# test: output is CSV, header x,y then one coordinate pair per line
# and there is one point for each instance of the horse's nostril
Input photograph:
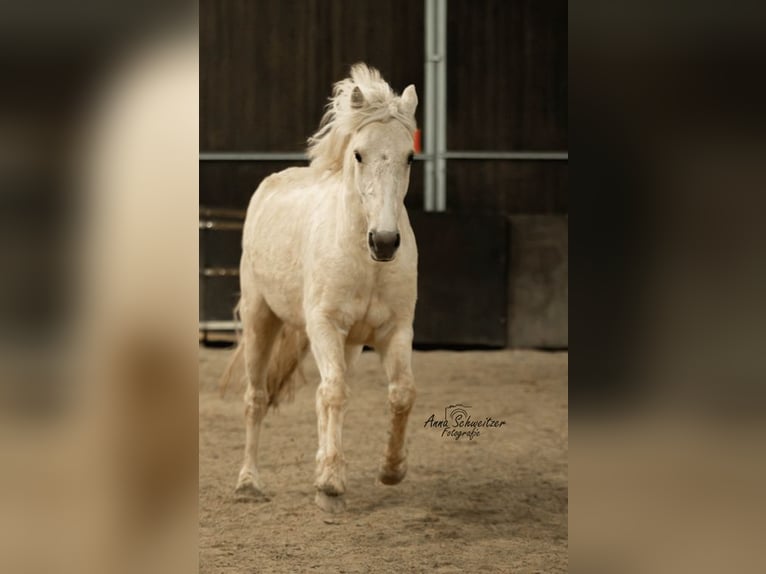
x,y
398,240
370,241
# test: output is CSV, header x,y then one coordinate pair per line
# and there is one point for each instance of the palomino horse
x,y
329,259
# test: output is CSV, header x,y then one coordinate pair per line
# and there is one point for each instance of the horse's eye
x,y
410,158
358,156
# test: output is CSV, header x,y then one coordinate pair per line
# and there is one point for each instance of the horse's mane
x,y
328,145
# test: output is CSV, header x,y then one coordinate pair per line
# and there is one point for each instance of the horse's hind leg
x,y
396,355
260,327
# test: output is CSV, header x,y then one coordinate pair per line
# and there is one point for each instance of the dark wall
x,y
507,81
267,67
507,75
508,187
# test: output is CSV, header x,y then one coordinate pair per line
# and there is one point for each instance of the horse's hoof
x,y
334,504
248,492
390,476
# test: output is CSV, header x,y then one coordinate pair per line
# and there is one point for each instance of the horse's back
x,y
281,200
282,188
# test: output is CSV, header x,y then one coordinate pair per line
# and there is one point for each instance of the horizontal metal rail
x,y
220,325
509,155
219,272
480,155
221,225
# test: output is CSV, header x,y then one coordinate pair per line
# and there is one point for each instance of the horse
x,y
329,261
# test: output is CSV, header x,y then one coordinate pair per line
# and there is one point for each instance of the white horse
x,y
329,258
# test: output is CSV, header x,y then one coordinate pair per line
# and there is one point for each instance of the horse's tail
x,y
234,366
284,373
235,361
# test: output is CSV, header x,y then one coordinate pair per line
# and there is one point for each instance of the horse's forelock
x,y
327,146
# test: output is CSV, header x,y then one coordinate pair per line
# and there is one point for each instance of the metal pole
x,y
441,105
429,127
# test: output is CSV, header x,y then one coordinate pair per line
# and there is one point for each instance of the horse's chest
x,y
366,308
368,304
361,302
366,317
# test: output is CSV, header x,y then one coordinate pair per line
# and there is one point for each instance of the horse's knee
x,y
401,395
256,402
332,393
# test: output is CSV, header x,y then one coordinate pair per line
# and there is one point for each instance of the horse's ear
x,y
409,100
357,98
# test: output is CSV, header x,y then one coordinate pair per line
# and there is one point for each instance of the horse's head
x,y
379,155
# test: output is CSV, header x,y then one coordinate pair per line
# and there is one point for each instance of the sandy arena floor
x,y
494,503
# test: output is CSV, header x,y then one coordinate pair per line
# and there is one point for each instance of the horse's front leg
x,y
328,347
396,355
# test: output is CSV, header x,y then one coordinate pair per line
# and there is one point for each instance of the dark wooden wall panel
x,y
230,184
507,75
508,187
267,67
462,283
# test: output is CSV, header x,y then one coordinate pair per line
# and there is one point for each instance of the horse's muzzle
x,y
383,244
